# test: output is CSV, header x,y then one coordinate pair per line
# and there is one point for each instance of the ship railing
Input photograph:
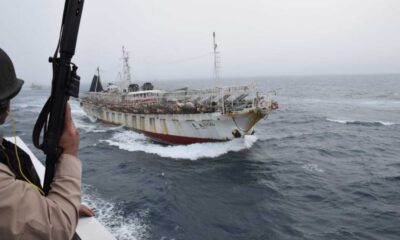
x,y
222,98
208,94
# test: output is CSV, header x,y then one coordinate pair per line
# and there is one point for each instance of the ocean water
x,y
326,165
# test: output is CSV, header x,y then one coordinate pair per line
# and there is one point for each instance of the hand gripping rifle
x,y
65,84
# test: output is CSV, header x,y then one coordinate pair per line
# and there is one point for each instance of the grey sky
x,y
256,37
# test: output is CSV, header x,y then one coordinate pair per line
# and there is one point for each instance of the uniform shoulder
x,y
4,170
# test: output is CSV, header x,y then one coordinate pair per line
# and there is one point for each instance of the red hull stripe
x,y
173,139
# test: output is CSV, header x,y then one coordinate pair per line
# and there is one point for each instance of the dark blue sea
x,y
326,165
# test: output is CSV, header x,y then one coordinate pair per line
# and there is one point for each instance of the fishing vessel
x,y
181,116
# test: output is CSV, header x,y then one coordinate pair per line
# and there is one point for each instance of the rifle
x,y
65,84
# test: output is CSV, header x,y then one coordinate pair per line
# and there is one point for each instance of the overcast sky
x,y
172,39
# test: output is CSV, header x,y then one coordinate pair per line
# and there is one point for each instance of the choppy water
x,y
325,166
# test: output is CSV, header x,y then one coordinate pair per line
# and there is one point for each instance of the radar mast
x,y
126,69
216,59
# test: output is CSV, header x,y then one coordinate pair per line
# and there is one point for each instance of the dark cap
x,y
10,85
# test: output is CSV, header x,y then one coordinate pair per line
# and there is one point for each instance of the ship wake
x,y
134,142
112,216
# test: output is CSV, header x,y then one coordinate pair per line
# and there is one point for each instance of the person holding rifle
x,y
25,211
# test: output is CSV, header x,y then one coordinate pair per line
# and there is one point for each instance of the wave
x,y
134,142
364,123
82,123
113,218
93,127
22,106
76,110
27,106
380,103
312,168
87,127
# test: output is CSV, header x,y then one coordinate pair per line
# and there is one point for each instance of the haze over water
x,y
324,166
173,39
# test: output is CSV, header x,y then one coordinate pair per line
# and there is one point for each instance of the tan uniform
x,y
25,214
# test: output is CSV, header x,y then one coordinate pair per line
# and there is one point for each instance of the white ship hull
x,y
183,128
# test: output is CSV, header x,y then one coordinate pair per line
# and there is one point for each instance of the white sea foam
x,y
387,123
86,126
94,127
380,103
80,120
22,106
337,120
133,227
344,121
27,106
133,142
76,110
312,167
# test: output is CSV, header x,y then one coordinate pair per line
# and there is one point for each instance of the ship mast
x,y
216,60
126,69
216,74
